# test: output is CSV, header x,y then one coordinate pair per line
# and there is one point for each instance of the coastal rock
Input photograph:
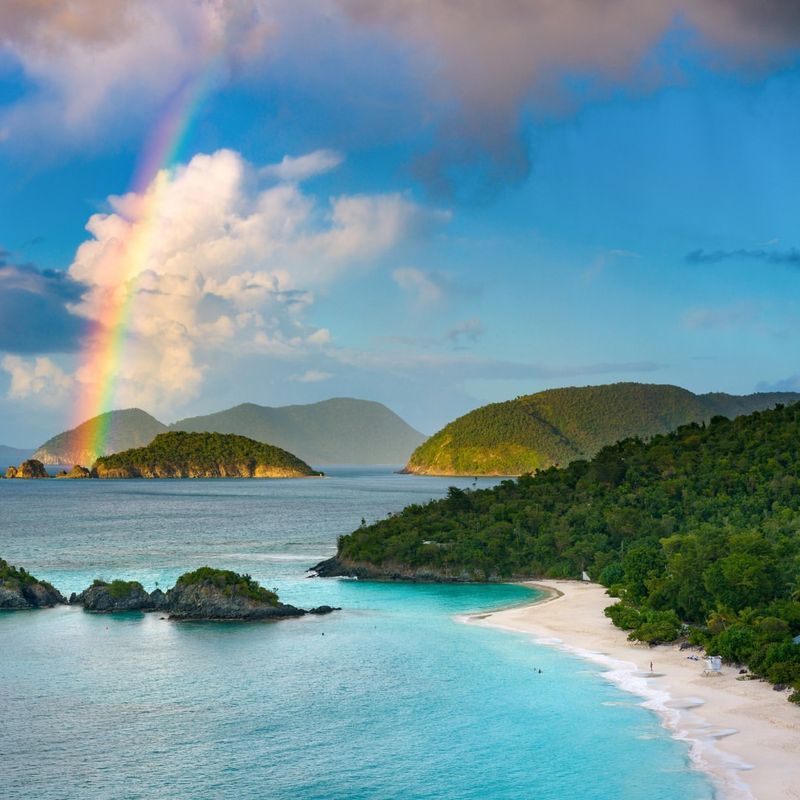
x,y
32,468
118,595
20,590
207,601
336,567
77,472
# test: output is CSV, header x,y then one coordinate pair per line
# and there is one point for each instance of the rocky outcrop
x,y
336,567
207,601
20,590
77,472
205,594
119,596
32,468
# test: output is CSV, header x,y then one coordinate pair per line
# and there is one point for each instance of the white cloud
x,y
40,378
311,376
96,64
299,169
204,264
424,288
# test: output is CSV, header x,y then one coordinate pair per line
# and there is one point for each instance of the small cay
x,y
203,455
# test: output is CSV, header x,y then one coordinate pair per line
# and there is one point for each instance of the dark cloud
x,y
485,65
790,257
33,313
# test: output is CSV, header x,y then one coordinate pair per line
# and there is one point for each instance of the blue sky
x,y
404,202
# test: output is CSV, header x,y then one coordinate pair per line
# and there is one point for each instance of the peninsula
x,y
696,532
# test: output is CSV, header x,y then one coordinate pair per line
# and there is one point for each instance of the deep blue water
x,y
390,698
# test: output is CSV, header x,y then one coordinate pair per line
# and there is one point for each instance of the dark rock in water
x,y
20,590
205,600
118,596
323,609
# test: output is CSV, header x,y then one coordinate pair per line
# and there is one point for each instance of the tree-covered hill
x,y
700,526
557,426
202,455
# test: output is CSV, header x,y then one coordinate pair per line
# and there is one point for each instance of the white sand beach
x,y
743,733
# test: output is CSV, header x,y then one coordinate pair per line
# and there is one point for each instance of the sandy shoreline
x,y
743,733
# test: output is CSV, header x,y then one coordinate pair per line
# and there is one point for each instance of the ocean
x,y
392,697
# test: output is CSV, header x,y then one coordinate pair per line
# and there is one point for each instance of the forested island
x,y
203,455
697,531
557,426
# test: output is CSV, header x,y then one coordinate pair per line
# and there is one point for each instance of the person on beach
x,y
651,666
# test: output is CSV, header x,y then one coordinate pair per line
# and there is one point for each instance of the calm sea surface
x,y
390,698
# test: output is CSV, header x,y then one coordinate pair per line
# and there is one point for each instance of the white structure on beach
x,y
585,576
713,666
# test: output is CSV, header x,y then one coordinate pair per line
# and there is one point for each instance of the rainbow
x,y
104,356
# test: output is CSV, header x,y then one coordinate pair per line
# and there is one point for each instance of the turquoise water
x,y
390,698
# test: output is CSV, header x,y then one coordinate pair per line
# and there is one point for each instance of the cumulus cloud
x,y
93,64
303,167
206,263
34,315
39,378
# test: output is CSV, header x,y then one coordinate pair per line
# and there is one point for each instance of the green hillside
x,y
338,431
125,429
700,526
557,426
202,455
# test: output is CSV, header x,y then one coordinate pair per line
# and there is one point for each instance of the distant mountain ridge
x,y
337,431
558,426
14,455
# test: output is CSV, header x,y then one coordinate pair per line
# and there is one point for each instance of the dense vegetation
x,y
337,431
559,425
119,588
232,584
18,574
187,452
697,528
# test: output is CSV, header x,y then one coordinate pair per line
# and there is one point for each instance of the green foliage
x,y
118,588
699,526
557,426
182,451
232,584
18,574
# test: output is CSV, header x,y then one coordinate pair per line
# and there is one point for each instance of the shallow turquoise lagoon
x,y
391,698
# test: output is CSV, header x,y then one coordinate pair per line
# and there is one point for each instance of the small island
x,y
203,594
203,455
